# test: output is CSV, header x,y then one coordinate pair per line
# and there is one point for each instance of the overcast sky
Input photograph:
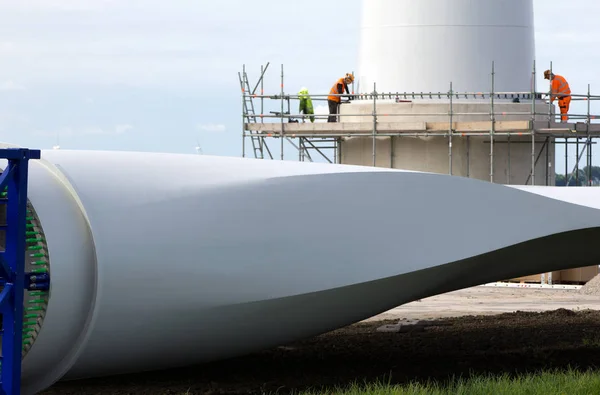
x,y
162,75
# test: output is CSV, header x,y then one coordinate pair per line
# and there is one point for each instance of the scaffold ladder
x,y
258,144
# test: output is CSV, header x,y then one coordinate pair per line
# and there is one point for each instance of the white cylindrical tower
x,y
423,45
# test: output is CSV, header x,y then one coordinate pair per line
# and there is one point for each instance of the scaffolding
x,y
325,139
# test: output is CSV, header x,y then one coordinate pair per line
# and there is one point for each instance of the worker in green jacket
x,y
306,106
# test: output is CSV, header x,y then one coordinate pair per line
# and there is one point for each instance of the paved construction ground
x,y
487,300
473,331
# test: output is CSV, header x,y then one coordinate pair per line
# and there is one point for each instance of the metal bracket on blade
x,y
37,281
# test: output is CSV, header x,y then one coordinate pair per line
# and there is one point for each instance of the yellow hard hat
x,y
303,93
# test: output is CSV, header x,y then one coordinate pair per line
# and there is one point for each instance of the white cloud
x,y
120,129
56,133
212,127
91,130
88,130
11,86
321,109
116,130
11,119
7,47
154,43
60,5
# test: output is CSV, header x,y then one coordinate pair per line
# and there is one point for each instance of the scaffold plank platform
x,y
349,128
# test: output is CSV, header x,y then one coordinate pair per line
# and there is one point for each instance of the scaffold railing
x,y
588,117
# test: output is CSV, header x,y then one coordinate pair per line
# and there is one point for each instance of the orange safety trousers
x,y
563,104
560,87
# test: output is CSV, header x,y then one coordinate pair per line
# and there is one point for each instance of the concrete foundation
x,y
509,161
436,110
471,157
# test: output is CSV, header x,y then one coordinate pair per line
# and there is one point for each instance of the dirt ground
x,y
501,330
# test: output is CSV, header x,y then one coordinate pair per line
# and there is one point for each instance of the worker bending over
x,y
306,106
559,88
338,88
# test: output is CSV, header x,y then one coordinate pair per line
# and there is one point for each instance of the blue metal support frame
x,y
12,265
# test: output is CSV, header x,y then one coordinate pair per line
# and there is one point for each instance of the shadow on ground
x,y
507,343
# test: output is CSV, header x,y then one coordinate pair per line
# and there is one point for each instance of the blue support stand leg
x,y
12,264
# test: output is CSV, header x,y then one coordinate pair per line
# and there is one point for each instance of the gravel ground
x,y
513,342
592,287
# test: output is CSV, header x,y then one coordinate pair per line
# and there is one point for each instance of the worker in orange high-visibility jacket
x,y
338,88
559,88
